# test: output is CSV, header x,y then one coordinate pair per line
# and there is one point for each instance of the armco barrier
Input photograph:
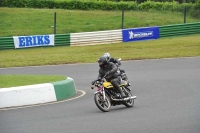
x,y
98,37
62,39
37,94
108,37
179,29
6,43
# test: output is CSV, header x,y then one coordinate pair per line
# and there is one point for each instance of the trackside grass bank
x,y
28,21
21,80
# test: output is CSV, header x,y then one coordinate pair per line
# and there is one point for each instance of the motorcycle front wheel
x,y
101,104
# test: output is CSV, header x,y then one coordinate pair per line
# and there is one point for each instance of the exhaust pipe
x,y
124,99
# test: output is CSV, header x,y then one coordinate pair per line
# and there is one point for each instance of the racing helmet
x,y
107,55
102,61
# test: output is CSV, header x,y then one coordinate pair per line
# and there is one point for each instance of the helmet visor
x,y
101,64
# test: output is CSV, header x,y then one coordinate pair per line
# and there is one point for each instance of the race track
x,y
167,90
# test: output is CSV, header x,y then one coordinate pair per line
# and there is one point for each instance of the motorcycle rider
x,y
110,70
118,63
115,61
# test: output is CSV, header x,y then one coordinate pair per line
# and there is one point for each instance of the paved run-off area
x,y
167,101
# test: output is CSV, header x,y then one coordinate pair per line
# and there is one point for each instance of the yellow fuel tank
x,y
110,86
107,85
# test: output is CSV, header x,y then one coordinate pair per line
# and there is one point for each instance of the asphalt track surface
x,y
167,90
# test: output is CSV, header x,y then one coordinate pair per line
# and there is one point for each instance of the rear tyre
x,y
102,105
130,102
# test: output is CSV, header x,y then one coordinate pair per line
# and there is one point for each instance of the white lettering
x,y
140,34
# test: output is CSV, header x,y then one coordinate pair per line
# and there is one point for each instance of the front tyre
x,y
102,105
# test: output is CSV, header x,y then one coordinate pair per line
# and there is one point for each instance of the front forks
x,y
104,95
102,92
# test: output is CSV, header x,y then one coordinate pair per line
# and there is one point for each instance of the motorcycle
x,y
106,95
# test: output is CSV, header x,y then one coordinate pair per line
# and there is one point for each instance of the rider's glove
x,y
93,82
98,80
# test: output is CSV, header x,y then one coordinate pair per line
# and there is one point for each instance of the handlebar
x,y
103,79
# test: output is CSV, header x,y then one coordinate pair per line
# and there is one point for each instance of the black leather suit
x,y
113,77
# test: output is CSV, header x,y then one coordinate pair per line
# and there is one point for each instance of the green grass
x,y
184,46
26,21
20,80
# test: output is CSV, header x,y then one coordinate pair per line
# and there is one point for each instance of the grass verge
x,y
20,80
185,46
27,21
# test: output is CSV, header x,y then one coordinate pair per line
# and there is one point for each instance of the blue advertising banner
x,y
33,41
138,34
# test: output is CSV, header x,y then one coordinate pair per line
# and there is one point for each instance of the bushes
x,y
166,6
71,4
195,10
103,5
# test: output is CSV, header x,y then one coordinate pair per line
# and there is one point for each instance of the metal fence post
x,y
122,19
54,22
185,12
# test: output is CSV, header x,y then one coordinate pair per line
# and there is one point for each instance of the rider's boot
x,y
122,93
116,85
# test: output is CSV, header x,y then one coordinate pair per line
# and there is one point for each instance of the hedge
x,y
192,8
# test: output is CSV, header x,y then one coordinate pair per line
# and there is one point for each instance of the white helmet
x,y
107,55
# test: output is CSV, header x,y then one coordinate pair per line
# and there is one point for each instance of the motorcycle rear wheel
x,y
130,102
102,105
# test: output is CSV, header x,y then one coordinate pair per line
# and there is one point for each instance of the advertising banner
x,y
33,41
137,34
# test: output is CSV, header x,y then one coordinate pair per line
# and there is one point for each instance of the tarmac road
x,y
167,90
